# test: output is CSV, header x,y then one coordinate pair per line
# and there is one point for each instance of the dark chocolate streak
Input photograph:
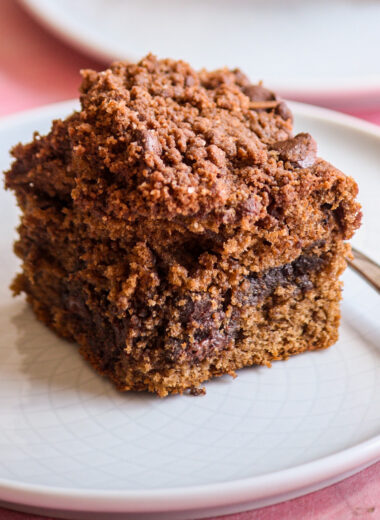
x,y
108,338
296,273
209,337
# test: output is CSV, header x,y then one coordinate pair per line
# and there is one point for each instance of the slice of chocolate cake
x,y
177,230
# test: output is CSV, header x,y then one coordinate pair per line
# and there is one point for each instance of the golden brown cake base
x,y
299,314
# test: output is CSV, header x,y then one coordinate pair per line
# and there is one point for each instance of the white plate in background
x,y
71,445
326,48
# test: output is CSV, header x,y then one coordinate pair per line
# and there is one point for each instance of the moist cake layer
x,y
203,336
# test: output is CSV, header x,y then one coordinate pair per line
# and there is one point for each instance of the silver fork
x,y
367,268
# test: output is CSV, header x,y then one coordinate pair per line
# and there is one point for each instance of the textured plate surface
x,y
297,46
69,440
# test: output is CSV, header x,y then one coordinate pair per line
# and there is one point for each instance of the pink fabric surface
x,y
36,69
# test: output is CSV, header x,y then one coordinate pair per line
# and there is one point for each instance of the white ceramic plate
x,y
327,48
70,442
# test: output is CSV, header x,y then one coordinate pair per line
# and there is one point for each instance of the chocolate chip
x,y
217,155
251,206
306,263
240,77
304,283
199,311
300,150
150,142
258,93
189,81
173,349
207,342
197,390
283,111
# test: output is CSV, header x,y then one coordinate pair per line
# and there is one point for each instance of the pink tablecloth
x,y
36,69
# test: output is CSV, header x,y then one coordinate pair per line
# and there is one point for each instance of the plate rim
x,y
284,482
72,34
259,487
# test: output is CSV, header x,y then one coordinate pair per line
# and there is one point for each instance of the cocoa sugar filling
x,y
207,336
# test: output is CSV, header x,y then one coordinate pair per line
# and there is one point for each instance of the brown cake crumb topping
x,y
173,142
